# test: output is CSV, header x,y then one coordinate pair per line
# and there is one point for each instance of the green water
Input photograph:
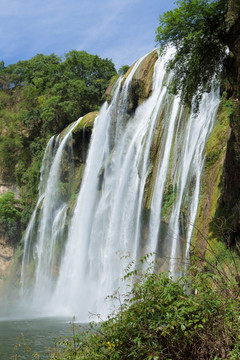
x,y
39,335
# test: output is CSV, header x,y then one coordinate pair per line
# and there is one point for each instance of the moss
x,y
212,157
66,130
86,122
155,155
75,186
169,197
211,183
154,161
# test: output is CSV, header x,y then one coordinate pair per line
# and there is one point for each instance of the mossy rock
x,y
141,87
86,122
155,152
142,78
211,183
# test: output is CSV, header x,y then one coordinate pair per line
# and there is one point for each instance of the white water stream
x,y
73,276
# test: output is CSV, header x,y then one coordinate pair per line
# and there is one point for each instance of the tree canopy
x,y
39,97
58,91
197,29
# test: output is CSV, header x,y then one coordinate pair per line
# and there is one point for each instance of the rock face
x,y
230,200
206,225
219,210
81,136
142,81
231,190
6,187
6,261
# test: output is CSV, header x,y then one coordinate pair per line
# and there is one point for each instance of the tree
x,y
199,31
123,69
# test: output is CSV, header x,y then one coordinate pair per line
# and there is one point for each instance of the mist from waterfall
x,y
76,268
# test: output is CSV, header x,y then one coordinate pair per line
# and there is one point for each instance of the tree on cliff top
x,y
201,31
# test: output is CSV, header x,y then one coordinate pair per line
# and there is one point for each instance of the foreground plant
x,y
159,319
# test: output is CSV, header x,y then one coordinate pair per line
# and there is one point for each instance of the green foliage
x,y
10,216
8,209
123,69
212,157
197,28
159,318
168,199
58,91
38,98
227,103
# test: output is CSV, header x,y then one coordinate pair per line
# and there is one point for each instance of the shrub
x,y
10,216
163,319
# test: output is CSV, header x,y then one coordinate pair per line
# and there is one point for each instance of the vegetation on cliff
x,y
38,98
10,216
201,31
206,36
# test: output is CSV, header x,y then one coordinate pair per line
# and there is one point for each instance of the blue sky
x,y
121,30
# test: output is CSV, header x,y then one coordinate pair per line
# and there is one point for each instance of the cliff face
x,y
230,203
230,200
219,209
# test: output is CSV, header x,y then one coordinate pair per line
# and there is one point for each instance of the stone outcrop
x,y
7,187
142,81
143,77
6,261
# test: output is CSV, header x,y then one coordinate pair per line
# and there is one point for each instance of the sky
x,y
121,30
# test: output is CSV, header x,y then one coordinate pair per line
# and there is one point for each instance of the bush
x,y
159,319
10,216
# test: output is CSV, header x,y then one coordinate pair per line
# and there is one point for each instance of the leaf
x,y
183,327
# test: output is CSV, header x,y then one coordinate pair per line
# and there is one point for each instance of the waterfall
x,y
139,194
46,230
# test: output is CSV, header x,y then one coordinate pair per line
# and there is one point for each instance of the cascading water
x,y
139,194
46,230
